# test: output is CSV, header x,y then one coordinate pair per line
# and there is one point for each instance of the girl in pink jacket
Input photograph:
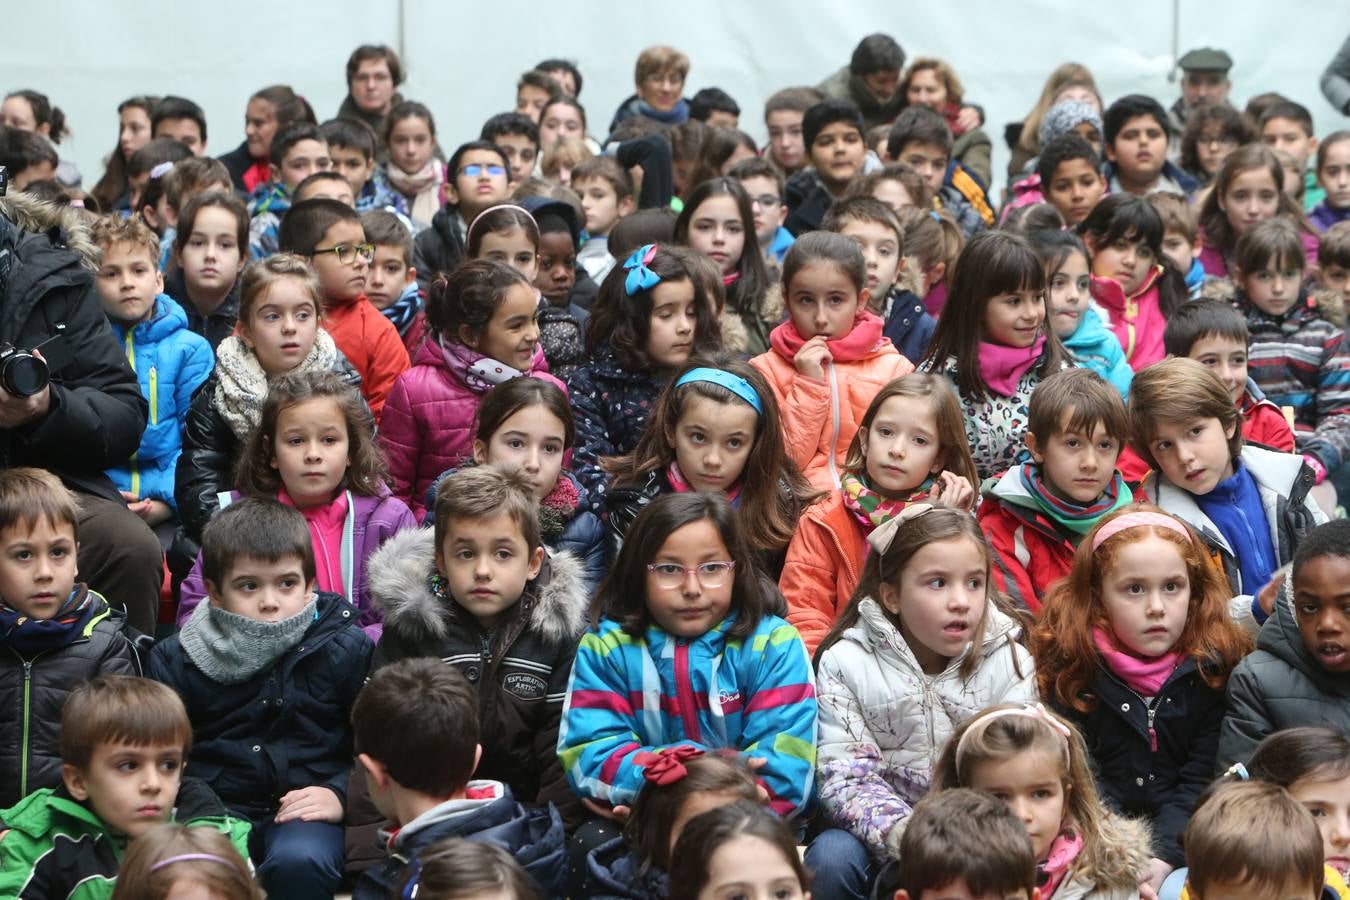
x,y
829,359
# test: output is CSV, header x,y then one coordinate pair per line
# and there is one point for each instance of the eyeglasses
x,y
709,574
473,170
347,253
1216,141
765,201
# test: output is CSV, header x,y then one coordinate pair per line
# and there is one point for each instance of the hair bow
x,y
883,534
640,278
668,767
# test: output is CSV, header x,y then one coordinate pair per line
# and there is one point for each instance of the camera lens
x,y
23,375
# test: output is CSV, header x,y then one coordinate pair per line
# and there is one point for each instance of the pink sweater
x,y
325,531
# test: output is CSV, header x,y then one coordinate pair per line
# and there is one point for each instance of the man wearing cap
x,y
1204,82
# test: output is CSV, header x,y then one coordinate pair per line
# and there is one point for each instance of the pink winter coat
x,y
428,420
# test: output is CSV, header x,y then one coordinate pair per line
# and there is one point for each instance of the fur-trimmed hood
x,y
1111,872
398,574
29,213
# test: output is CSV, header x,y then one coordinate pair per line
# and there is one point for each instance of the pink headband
x,y
1137,520
188,857
1029,711
478,218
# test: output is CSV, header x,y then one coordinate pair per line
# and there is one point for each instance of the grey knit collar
x,y
231,649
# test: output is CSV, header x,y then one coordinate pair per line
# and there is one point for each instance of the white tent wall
x,y
463,58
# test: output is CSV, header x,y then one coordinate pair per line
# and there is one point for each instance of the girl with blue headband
x,y
651,315
716,429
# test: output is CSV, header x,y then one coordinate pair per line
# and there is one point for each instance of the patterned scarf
x,y
680,485
241,383
480,373
404,310
558,508
30,636
1063,851
871,508
1077,518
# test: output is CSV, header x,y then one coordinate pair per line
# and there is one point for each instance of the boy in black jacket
x,y
268,671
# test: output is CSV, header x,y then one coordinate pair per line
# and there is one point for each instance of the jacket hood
x,y
1123,849
398,574
874,631
615,871
32,214
1091,330
167,319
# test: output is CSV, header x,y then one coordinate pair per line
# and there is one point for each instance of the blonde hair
x,y
110,230
987,737
570,152
945,73
171,853
261,275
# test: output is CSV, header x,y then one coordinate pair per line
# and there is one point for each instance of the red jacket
x,y
1029,550
1265,423
371,344
824,563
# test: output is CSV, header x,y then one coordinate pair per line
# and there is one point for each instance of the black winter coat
x,y
438,248
216,326
520,666
97,413
614,872
206,467
287,727
1160,782
34,713
237,162
611,404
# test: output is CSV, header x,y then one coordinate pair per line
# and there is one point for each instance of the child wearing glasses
x,y
477,177
764,183
481,591
329,233
684,650
279,333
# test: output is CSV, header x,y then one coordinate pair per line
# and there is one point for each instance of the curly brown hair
x,y
254,473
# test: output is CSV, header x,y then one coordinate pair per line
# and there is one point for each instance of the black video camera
x,y
24,373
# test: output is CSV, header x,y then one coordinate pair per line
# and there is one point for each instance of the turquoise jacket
x,y
1095,346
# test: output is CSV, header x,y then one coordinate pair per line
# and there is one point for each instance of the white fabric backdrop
x,y
463,57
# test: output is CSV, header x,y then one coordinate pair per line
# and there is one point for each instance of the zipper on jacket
x,y
27,715
1153,735
154,395
834,427
684,692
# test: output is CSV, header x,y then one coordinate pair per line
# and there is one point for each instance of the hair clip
x,y
640,278
161,170
732,382
934,214
1137,520
188,857
883,534
1237,770
1026,710
668,766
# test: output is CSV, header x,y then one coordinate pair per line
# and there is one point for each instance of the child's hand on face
x,y
953,490
813,357
310,804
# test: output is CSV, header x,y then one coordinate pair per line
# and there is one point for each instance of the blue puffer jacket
x,y
611,404
614,871
171,362
1095,346
909,326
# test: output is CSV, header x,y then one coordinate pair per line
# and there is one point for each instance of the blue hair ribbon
x,y
640,278
734,383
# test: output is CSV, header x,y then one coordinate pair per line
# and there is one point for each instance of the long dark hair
x,y
768,513
993,263
1127,217
115,183
624,322
622,595
522,392
746,295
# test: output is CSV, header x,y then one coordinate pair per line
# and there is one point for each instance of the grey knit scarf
x,y
231,649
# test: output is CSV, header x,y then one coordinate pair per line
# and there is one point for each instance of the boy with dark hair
x,y
330,185
1036,514
1214,334
181,119
1136,131
518,136
268,670
391,286
833,133
517,644
534,91
123,744
716,108
783,113
171,362
329,233
353,148
1071,177
1252,839
1288,126
871,81
922,140
963,843
561,282
565,73
606,191
29,157
56,633
298,151
1251,506
764,183
416,725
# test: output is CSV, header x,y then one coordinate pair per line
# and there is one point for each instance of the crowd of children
x,y
663,516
